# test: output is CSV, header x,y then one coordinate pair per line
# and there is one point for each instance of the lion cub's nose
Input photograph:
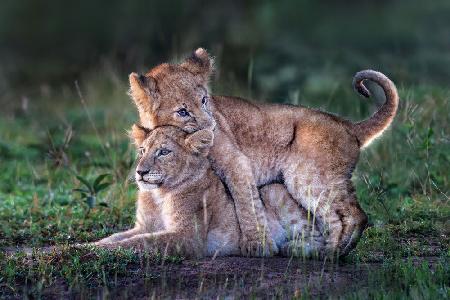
x,y
142,172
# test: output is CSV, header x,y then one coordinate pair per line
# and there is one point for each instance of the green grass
x,y
402,183
398,279
86,266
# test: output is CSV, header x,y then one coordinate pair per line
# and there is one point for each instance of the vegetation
x,y
64,119
407,280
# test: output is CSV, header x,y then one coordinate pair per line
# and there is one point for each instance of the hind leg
x,y
291,226
333,203
354,220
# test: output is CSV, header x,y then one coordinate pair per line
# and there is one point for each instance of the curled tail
x,y
368,130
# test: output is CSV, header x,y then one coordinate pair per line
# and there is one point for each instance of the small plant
x,y
58,153
91,190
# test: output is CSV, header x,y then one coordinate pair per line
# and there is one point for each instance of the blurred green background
x,y
54,42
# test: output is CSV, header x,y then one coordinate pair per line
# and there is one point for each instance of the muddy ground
x,y
228,278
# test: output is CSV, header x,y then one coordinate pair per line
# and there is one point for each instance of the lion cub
x,y
313,153
183,207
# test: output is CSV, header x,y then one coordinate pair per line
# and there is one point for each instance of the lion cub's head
x,y
175,94
169,156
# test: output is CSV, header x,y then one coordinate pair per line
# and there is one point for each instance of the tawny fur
x,y
183,207
312,152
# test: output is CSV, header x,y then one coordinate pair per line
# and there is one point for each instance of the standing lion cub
x,y
312,152
183,207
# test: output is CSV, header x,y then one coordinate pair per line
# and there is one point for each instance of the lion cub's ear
x,y
138,134
200,141
200,64
142,91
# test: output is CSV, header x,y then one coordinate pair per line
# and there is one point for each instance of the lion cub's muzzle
x,y
147,176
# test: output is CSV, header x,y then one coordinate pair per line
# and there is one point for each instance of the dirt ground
x,y
245,277
228,277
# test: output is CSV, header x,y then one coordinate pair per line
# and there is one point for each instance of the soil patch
x,y
227,277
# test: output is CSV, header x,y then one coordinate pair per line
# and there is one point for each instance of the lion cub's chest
x,y
162,201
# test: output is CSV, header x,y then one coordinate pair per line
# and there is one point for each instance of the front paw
x,y
258,248
89,244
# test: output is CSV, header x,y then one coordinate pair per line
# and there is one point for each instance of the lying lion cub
x,y
183,207
313,153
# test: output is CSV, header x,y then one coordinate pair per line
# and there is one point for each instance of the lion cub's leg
x,y
333,203
292,227
342,218
148,219
117,237
236,170
164,242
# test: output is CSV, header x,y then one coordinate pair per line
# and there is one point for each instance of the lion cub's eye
x,y
163,152
141,150
183,112
204,100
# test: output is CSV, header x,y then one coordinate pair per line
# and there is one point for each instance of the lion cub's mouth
x,y
153,178
150,181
